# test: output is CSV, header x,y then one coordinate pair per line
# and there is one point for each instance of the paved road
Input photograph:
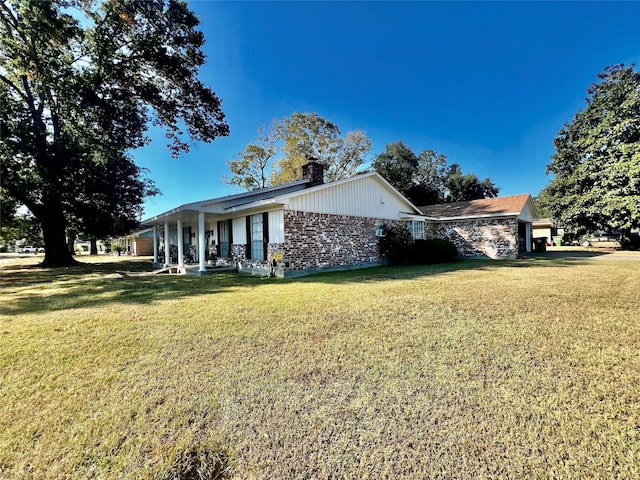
x,y
590,253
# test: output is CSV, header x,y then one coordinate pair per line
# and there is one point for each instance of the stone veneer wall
x,y
239,252
318,240
496,238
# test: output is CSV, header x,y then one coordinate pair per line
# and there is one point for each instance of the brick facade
x,y
318,240
495,238
239,252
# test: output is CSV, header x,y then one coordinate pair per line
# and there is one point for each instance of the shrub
x,y
434,251
397,244
630,241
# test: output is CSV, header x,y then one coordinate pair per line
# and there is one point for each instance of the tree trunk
x,y
56,249
72,241
94,246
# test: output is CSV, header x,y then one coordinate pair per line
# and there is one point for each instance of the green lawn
x,y
477,369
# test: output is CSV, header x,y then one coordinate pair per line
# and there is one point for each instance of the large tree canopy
x,y
80,83
597,160
283,146
426,179
16,227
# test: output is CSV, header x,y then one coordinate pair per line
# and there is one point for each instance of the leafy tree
x,y
597,160
541,205
80,83
399,165
16,227
463,187
283,147
113,207
250,168
426,179
429,179
305,135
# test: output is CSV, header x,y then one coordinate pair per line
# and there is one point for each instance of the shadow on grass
x,y
408,272
33,289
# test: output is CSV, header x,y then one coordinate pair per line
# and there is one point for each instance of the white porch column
x,y
180,245
201,240
167,258
155,244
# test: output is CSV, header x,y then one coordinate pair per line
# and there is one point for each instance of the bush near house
x,y
434,251
396,245
399,247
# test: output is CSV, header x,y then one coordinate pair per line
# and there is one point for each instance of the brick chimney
x,y
314,171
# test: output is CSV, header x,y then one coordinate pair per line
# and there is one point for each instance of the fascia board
x,y
473,217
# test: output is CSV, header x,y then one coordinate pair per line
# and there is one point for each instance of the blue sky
x,y
487,84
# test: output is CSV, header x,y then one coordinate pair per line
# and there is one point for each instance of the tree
x,y
426,179
16,227
250,168
284,146
429,179
399,165
597,161
80,83
461,187
113,207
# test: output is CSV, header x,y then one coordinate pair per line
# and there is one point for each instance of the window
x,y
224,238
257,236
416,227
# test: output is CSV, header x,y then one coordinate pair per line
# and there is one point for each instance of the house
x,y
496,227
307,226
546,228
287,230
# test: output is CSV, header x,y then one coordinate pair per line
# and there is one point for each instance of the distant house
x,y
496,227
295,228
545,227
307,226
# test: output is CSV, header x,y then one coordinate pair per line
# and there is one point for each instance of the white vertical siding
x,y
239,230
365,197
276,226
527,214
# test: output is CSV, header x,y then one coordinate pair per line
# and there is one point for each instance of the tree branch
x,y
12,85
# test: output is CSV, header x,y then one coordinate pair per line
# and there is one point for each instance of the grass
x,y
478,369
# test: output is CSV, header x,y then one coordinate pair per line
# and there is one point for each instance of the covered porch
x,y
184,237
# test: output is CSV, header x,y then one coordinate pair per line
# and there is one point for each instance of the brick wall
x,y
496,238
239,252
317,240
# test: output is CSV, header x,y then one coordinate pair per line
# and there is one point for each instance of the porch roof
x,y
189,211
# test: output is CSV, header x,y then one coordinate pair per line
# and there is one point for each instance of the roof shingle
x,y
476,208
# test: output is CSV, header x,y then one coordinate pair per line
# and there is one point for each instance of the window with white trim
x,y
257,237
416,227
